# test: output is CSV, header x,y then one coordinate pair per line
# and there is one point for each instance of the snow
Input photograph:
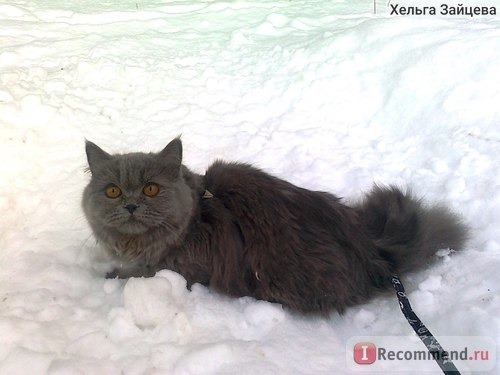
x,y
322,93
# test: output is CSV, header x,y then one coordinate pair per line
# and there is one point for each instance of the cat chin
x,y
132,228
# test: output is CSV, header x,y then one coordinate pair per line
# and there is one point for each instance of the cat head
x,y
137,194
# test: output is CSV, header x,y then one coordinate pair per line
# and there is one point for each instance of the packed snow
x,y
325,94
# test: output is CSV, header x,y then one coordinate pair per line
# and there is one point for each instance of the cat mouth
x,y
132,226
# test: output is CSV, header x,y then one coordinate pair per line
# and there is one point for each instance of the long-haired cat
x,y
244,232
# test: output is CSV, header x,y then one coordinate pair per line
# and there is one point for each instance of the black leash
x,y
433,346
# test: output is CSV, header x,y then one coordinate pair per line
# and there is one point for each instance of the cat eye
x,y
113,191
151,189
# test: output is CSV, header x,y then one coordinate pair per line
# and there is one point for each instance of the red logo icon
x,y
365,353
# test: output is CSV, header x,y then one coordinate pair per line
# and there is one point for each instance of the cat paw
x,y
128,272
113,274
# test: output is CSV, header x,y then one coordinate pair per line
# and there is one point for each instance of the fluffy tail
x,y
407,232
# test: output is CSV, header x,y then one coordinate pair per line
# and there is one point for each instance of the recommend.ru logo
x,y
365,353
386,354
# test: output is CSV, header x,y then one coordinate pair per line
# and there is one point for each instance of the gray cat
x,y
244,232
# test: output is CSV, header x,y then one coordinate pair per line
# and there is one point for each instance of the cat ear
x,y
173,151
95,155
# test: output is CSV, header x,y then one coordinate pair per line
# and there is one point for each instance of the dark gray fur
x,y
257,235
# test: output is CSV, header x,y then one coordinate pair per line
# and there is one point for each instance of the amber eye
x,y
151,189
113,191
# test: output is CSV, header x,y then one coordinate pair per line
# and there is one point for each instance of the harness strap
x,y
433,346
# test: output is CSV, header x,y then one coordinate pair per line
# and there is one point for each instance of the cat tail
x,y
405,230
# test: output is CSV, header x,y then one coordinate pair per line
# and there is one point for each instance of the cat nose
x,y
130,208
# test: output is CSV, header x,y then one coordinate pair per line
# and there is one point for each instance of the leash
x,y
432,344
